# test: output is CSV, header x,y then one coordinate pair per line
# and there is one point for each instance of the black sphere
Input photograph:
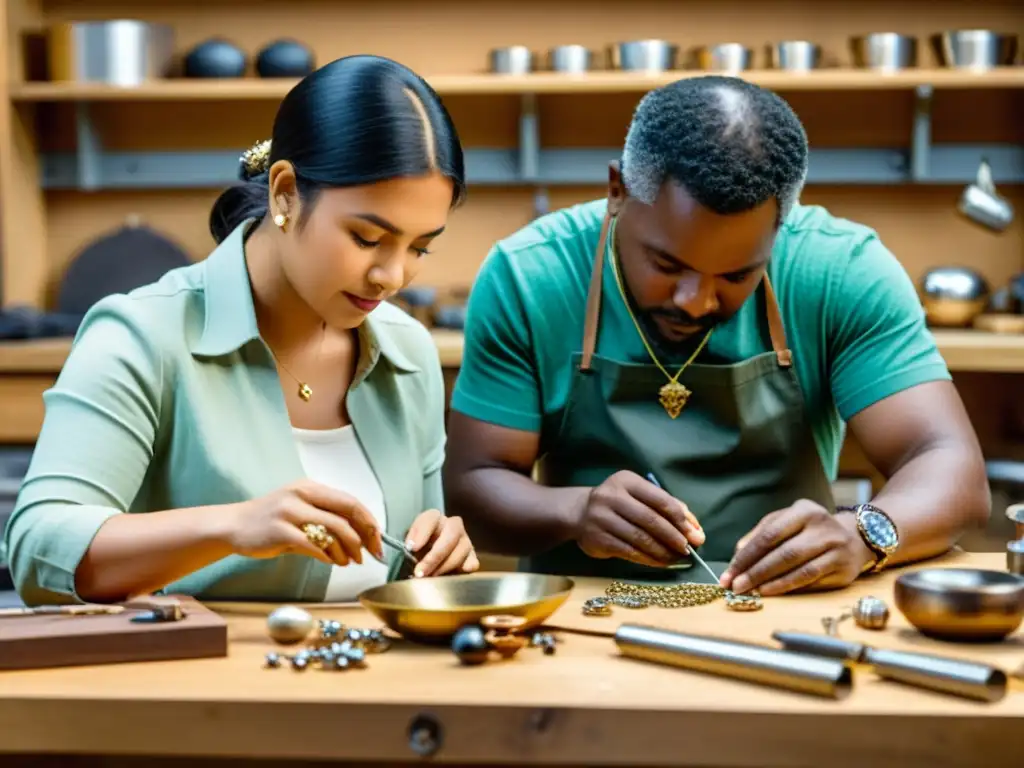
x,y
470,645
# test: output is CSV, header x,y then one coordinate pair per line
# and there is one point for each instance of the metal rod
x,y
968,679
692,551
921,136
529,139
89,150
799,672
394,543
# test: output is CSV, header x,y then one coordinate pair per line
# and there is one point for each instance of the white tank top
x,y
334,457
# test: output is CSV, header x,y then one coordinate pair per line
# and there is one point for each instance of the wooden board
x,y
583,706
39,642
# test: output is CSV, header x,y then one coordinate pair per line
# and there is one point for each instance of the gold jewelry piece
x,y
280,220
256,159
318,535
673,396
305,392
688,595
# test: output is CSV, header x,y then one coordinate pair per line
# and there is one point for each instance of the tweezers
x,y
394,543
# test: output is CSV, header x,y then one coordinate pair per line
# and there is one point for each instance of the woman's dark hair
x,y
355,121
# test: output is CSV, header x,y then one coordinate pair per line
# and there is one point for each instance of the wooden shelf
x,y
253,89
963,350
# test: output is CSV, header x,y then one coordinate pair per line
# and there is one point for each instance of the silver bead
x,y
871,613
289,624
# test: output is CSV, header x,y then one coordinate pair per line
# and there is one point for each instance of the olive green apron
x,y
741,448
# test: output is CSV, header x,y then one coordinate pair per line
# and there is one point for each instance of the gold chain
x,y
673,396
673,596
305,392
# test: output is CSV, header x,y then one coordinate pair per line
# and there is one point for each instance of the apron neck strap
x,y
776,330
594,297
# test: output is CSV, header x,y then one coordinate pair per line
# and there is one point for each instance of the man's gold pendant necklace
x,y
673,396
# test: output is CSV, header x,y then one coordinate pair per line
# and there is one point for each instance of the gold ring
x,y
318,535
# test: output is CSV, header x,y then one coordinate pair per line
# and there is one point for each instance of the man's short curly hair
x,y
729,143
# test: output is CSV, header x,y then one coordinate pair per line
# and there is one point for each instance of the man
x,y
678,364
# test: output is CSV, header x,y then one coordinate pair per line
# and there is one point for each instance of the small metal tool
x,y
156,610
61,610
693,553
391,541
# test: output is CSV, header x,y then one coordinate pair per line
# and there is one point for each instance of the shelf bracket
x,y
89,150
921,136
529,153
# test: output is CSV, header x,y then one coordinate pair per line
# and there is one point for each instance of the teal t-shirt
x,y
852,317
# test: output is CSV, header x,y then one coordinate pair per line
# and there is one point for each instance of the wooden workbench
x,y
584,706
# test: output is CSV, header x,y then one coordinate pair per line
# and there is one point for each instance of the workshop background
x,y
121,121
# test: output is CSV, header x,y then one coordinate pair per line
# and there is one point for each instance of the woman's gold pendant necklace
x,y
305,392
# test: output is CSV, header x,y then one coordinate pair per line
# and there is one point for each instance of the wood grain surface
x,y
583,706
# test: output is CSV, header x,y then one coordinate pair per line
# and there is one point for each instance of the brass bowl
x,y
431,610
965,604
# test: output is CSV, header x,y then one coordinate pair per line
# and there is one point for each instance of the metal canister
x,y
1015,512
1015,557
123,52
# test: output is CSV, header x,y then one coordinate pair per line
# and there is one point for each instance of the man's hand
x,y
633,519
801,547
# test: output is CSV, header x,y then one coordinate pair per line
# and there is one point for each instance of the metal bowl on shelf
x,y
513,60
965,604
431,610
644,56
570,59
794,55
976,49
884,51
723,57
953,296
121,52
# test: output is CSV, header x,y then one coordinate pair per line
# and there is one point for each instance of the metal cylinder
x,y
829,678
1015,512
959,678
794,55
514,60
885,51
571,59
1015,557
975,49
123,53
724,57
645,56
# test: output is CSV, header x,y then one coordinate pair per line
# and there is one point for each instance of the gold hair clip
x,y
256,159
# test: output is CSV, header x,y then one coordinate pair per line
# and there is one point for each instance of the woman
x,y
266,408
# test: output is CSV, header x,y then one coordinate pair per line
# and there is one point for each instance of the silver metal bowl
x,y
644,56
570,59
977,49
953,296
961,603
794,55
724,57
513,60
884,51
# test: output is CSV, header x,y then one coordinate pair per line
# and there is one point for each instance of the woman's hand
x,y
273,525
442,545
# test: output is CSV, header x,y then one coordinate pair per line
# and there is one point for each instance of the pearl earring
x,y
280,220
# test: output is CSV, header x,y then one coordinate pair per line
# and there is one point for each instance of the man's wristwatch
x,y
877,530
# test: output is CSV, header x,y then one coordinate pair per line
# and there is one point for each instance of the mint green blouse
x,y
170,399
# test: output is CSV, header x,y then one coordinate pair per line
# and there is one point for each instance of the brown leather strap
x,y
775,327
594,297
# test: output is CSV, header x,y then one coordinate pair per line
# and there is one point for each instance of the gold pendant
x,y
673,398
305,392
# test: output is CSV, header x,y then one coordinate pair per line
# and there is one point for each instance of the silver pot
x,y
644,56
123,52
724,57
570,59
794,55
953,296
513,60
977,49
884,51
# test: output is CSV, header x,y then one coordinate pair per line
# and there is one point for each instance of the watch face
x,y
879,529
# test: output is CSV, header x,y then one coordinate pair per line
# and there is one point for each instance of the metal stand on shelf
x,y
91,167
